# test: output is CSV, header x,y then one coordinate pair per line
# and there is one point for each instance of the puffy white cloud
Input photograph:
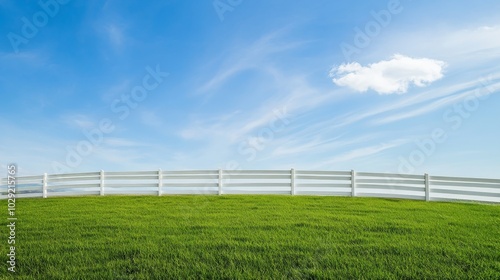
x,y
388,76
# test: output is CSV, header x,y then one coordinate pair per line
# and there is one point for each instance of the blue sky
x,y
383,86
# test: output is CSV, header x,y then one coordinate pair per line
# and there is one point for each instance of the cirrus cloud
x,y
388,76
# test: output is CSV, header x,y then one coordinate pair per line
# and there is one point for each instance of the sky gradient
x,y
381,86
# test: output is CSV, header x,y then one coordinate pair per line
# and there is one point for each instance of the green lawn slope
x,y
252,237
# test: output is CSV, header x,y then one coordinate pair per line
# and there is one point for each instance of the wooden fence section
x,y
291,182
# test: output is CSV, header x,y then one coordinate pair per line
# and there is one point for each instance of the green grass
x,y
253,237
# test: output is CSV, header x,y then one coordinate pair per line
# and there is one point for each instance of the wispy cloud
x,y
35,58
152,119
363,152
416,105
257,55
116,142
115,34
111,27
117,89
460,48
78,121
426,108
298,144
472,40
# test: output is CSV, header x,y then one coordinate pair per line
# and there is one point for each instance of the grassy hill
x,y
253,237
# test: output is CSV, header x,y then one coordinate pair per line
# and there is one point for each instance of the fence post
x,y
220,182
427,187
292,181
102,182
160,181
44,185
353,183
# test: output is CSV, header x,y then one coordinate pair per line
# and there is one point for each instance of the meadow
x,y
253,237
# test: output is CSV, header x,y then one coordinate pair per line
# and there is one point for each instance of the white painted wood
x,y
190,177
325,193
65,175
102,183
131,177
72,186
401,196
468,184
247,172
138,186
455,188
389,175
192,185
220,182
191,172
69,179
31,188
28,195
261,181
130,173
332,173
250,185
160,181
461,192
390,181
44,185
260,177
332,178
390,187
132,193
462,179
64,194
257,192
316,185
353,183
427,188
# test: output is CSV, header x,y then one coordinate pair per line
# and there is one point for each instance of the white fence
x,y
294,182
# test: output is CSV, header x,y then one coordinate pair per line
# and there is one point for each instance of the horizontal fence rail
x,y
292,182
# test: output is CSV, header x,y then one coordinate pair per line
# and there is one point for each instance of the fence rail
x,y
294,182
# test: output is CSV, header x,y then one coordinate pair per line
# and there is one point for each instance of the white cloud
x,y
388,76
120,142
363,152
256,55
115,34
151,119
115,90
79,121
